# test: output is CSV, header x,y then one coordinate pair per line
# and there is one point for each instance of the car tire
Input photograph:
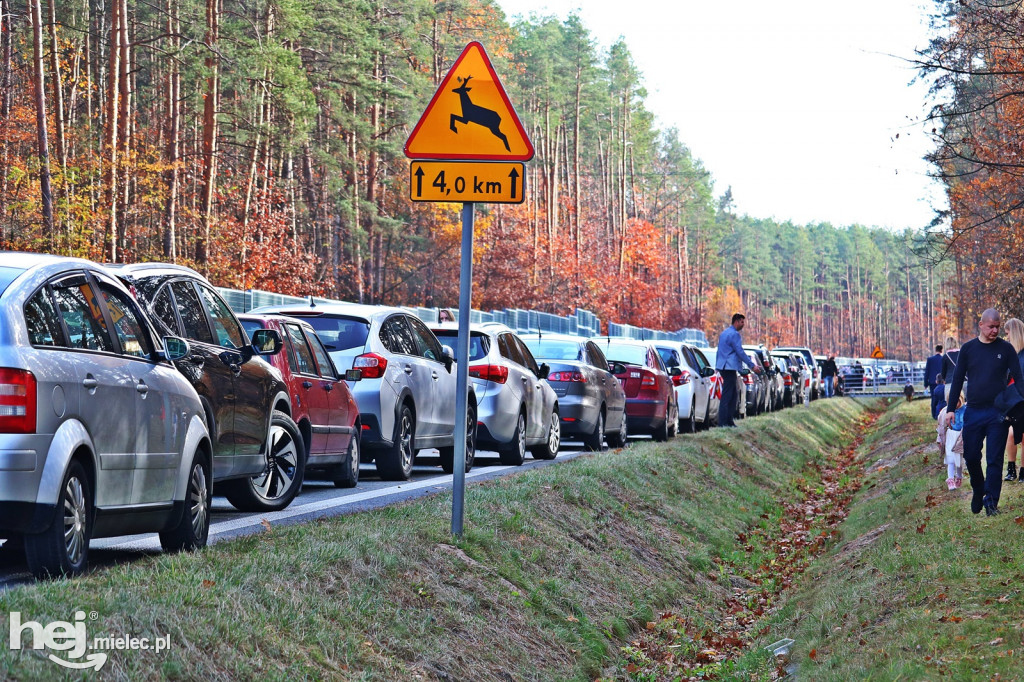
x,y
595,441
448,453
689,425
347,475
620,438
51,553
274,488
673,421
395,463
193,529
514,453
549,448
661,432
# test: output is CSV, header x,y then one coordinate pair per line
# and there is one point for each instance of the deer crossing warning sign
x,y
470,118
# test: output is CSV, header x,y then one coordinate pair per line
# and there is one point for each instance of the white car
x,y
693,386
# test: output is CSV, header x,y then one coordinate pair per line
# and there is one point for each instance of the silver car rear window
x,y
8,275
340,333
552,349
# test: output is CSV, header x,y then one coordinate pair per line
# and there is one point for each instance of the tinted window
x,y
129,325
670,356
340,333
301,359
597,358
527,356
479,344
702,361
426,344
193,317
553,349
163,310
250,326
396,337
42,320
508,349
327,368
226,331
81,314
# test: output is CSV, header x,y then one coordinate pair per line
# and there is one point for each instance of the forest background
x,y
260,141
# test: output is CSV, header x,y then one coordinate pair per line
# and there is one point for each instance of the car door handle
x,y
90,383
307,384
141,387
328,386
235,369
525,379
408,369
433,375
197,360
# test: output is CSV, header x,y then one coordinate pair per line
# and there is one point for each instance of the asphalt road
x,y
317,499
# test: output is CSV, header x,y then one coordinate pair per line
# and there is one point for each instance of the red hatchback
x,y
322,404
650,399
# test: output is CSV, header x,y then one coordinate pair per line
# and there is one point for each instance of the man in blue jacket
x,y
932,366
730,360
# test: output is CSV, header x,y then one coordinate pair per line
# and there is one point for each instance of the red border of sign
x,y
462,156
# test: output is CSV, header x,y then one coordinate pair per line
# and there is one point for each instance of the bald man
x,y
985,362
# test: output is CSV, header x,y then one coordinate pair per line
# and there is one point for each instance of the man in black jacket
x,y
932,367
985,363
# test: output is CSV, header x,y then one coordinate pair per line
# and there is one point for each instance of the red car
x,y
322,404
650,399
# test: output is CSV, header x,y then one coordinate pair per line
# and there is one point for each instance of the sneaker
x,y
991,508
1011,472
958,481
951,483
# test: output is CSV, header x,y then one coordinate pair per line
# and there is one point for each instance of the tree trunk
x,y
58,103
38,77
5,111
209,128
170,247
112,111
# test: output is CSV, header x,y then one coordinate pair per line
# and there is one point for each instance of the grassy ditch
x,y
919,588
557,571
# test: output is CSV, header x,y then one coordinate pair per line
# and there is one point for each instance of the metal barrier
x,y
695,337
869,377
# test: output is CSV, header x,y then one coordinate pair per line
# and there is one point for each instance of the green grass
x,y
558,568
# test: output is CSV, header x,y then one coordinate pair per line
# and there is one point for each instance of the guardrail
x,y
881,377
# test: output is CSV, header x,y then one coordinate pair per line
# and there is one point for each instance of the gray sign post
x,y
462,371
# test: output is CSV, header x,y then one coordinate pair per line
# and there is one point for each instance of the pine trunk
x,y
38,77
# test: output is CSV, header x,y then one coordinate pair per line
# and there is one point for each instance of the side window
x,y
81,313
654,360
396,336
129,325
226,331
304,363
508,348
193,317
327,368
429,346
702,361
163,310
597,358
528,359
42,320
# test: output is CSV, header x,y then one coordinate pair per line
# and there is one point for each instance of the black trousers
x,y
727,409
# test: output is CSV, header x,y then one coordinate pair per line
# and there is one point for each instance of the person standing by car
x,y
828,374
985,362
932,367
730,359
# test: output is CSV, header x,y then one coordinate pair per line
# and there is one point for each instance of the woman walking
x,y
949,359
1015,335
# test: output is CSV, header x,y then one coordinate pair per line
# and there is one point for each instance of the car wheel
x,y
347,475
395,463
63,548
193,529
514,453
549,450
276,486
448,453
689,425
661,433
619,438
595,441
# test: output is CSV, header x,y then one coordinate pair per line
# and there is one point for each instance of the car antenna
x,y
312,303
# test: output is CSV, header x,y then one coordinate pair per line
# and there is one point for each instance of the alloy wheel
x,y
554,433
198,500
282,462
75,519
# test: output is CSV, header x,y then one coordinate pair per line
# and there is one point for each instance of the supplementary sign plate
x,y
467,181
470,117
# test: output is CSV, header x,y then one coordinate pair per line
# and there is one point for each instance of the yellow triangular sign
x,y
877,353
470,117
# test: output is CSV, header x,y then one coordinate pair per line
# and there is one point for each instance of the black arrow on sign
x,y
419,181
515,176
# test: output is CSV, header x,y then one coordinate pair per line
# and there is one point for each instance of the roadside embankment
x,y
557,573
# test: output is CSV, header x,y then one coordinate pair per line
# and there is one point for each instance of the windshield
x,y
479,344
627,353
8,275
553,349
340,333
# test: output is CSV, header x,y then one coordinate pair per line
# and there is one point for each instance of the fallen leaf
x,y
813,655
208,583
572,619
265,524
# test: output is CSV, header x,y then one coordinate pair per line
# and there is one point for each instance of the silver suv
x,y
518,409
406,396
99,434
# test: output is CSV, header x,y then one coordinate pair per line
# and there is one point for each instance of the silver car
x,y
517,409
99,434
406,396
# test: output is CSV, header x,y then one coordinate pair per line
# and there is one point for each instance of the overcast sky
x,y
794,103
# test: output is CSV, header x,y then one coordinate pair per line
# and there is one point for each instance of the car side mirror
x,y
675,371
266,342
354,375
447,357
744,372
708,372
544,371
175,348
616,367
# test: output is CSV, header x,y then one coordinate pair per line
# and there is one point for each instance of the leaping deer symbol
x,y
471,113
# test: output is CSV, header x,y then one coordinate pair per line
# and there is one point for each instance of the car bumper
x,y
497,416
376,401
644,415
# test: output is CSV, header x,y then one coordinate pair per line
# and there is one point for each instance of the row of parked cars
x,y
130,393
